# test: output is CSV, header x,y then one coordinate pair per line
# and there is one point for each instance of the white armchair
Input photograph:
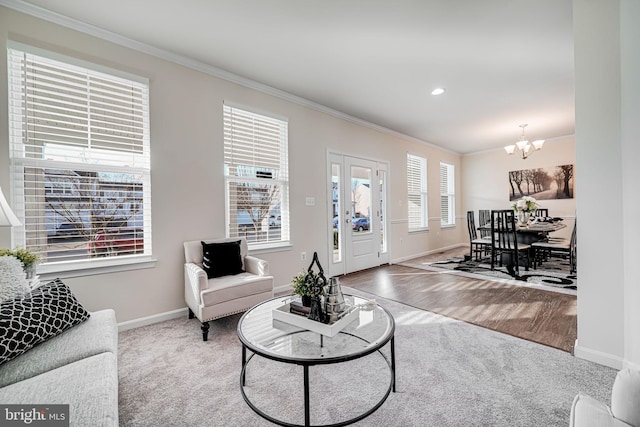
x,y
625,405
210,299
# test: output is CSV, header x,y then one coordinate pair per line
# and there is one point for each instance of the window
x,y
256,177
79,152
417,192
447,194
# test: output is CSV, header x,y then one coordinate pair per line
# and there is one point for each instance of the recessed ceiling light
x,y
438,91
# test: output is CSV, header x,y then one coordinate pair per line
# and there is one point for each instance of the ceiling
x,y
503,62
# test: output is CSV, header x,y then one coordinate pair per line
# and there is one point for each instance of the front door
x,y
357,214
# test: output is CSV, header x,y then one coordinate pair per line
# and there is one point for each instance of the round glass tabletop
x,y
372,328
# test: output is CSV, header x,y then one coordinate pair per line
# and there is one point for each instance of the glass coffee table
x,y
372,328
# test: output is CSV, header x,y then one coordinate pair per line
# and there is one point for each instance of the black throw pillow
x,y
37,316
221,259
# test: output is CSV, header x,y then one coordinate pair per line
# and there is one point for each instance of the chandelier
x,y
523,145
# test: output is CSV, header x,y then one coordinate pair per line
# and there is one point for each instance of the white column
x,y
601,308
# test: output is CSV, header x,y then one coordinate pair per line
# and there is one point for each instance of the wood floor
x,y
541,316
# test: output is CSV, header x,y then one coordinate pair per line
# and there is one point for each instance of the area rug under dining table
x,y
553,275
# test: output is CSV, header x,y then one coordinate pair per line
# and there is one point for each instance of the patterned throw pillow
x,y
221,259
42,314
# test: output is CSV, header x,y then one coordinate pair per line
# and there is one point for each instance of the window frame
x,y
107,159
274,174
447,170
421,194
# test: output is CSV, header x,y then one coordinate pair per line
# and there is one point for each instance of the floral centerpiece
x,y
525,204
525,207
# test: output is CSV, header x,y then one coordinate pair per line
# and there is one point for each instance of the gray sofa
x,y
78,367
625,408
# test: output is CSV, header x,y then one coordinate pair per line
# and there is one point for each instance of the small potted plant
x,y
26,257
301,287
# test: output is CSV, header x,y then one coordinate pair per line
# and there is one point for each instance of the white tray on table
x,y
283,314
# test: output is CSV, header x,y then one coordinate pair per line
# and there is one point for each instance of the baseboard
x,y
631,365
286,289
144,321
433,251
599,357
282,289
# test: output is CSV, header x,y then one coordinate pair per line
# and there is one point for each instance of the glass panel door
x,y
382,189
360,199
356,215
362,244
336,211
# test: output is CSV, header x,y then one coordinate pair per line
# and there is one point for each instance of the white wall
x,y
186,158
630,88
405,245
607,108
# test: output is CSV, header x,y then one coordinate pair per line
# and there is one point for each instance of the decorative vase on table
x,y
524,207
306,300
334,304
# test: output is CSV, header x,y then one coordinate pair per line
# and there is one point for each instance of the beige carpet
x,y
449,373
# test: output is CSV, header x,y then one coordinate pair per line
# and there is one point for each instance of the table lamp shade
x,y
7,217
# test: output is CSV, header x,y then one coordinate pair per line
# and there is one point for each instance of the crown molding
x,y
92,30
491,150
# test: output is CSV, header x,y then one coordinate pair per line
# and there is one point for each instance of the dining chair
x,y
557,248
484,216
505,248
542,213
478,246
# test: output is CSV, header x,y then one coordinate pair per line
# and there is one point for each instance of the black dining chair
x,y
505,248
484,216
557,248
542,213
478,246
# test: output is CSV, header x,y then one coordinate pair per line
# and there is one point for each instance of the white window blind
x,y
79,148
256,177
417,192
447,194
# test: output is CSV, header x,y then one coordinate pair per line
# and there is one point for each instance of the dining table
x,y
533,231
536,231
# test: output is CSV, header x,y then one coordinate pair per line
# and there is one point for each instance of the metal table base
x,y
307,416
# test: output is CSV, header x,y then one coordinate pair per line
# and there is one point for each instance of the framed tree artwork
x,y
542,183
